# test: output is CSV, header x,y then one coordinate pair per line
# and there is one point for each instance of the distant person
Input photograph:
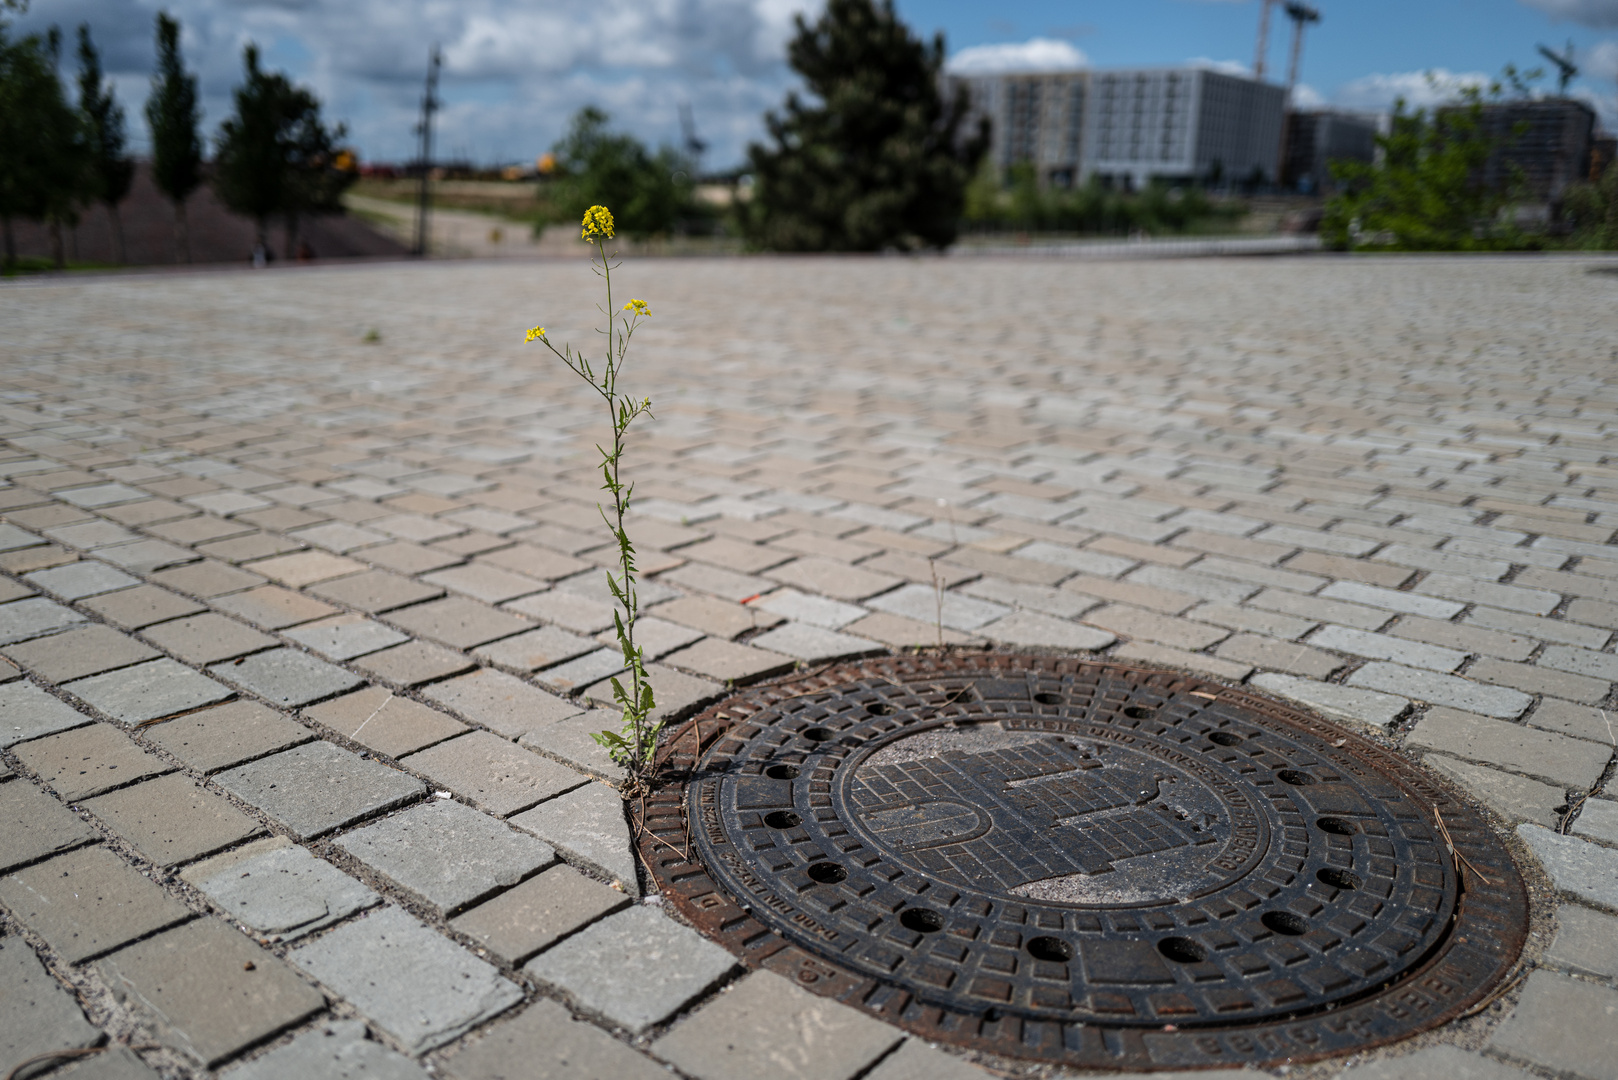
x,y
261,256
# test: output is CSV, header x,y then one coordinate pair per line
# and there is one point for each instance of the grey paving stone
x,y
1557,759
546,1043
915,1060
633,969
572,741
88,902
1579,869
1449,690
580,614
414,663
378,718
34,825
208,638
500,702
36,1014
520,922
1598,820
141,606
814,643
920,603
80,579
766,1026
589,828
27,712
448,854
536,649
172,819
726,661
1585,940
1033,629
13,538
144,556
493,774
1515,798
273,607
117,1063
1552,1007
458,622
1434,1062
87,761
210,991
1580,721
34,616
73,654
336,1050
226,735
1383,647
417,986
1340,703
343,637
287,677
581,671
278,889
375,591
148,691
312,789
1597,665
805,607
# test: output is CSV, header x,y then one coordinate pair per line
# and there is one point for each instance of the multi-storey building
x,y
1131,127
1319,137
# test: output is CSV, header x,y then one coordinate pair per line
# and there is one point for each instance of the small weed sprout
x,y
634,745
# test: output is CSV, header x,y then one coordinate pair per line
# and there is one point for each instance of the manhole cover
x,y
1082,862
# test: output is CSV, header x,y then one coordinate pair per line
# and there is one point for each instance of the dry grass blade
x,y
1460,860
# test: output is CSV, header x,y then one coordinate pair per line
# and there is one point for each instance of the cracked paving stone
x,y
315,788
539,912
88,902
148,691
589,828
379,719
37,1015
337,1050
227,735
210,990
447,854
88,761
279,890
287,677
493,774
633,969
27,712
766,1026
33,825
172,819
416,985
547,1043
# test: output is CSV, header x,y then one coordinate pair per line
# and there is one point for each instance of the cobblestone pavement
x,y
302,631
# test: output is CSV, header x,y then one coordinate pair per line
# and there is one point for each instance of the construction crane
x,y
688,128
1301,15
1566,69
1264,7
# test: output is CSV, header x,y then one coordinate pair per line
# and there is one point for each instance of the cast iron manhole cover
x,y
1082,862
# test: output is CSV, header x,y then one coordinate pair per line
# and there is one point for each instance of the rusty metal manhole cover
x,y
1082,862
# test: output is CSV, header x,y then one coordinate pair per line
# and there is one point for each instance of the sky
x,y
516,70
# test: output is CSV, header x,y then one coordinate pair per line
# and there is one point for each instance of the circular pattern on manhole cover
x,y
1082,862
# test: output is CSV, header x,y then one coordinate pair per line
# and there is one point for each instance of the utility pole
x,y
429,105
1259,58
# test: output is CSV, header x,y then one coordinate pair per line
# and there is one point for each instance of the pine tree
x,y
42,145
274,155
881,161
111,170
172,114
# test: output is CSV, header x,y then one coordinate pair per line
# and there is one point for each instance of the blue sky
x,y
515,70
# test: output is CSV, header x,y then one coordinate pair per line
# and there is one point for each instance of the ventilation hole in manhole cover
x,y
1082,862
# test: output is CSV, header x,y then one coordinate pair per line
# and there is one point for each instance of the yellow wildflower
x,y
638,307
536,332
597,222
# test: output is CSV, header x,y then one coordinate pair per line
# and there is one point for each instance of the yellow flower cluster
x,y
597,222
638,307
536,333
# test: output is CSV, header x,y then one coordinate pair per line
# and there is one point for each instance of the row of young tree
x,y
273,157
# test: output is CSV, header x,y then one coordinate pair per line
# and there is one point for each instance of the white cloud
x,y
1305,96
1419,89
1596,13
514,70
1035,54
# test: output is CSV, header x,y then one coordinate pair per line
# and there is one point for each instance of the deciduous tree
x,y
173,115
111,170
